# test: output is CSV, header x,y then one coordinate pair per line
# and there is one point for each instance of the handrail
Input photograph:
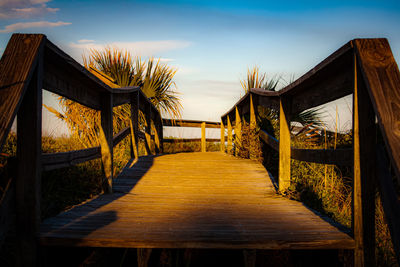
x,y
362,67
31,63
192,123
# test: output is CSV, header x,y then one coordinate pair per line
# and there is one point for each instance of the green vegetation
x,y
325,188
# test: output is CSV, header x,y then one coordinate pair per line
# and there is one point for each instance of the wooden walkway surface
x,y
193,200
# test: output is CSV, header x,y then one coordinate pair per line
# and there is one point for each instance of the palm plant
x,y
269,117
119,69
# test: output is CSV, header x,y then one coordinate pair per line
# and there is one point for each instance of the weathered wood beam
x,y
229,145
390,200
238,131
17,66
364,185
222,145
190,123
382,78
284,145
28,182
106,140
134,126
203,137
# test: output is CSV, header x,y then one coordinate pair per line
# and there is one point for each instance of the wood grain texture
x,y
382,78
222,141
189,123
364,142
16,68
188,140
106,140
203,137
390,201
284,145
238,130
29,171
193,200
230,141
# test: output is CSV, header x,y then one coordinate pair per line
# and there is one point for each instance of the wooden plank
x,y
229,146
121,135
134,125
147,132
269,140
156,137
382,78
16,68
341,157
284,145
203,137
188,140
106,141
222,145
364,139
28,182
189,123
390,201
238,131
7,203
169,201
52,161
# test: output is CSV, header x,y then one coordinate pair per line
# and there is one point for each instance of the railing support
x,y
284,145
147,132
134,123
238,131
106,140
203,137
28,182
222,146
363,222
253,124
229,147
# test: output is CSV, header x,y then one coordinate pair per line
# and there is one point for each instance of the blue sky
x,y
212,43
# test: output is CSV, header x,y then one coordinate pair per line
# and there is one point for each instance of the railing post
x,y
284,145
238,131
253,124
147,132
155,128
160,134
364,146
222,136
203,137
28,182
106,140
134,123
229,145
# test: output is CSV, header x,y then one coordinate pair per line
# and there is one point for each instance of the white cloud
x,y
85,41
142,48
24,8
36,24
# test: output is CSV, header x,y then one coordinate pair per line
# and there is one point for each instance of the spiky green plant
x,y
120,69
257,79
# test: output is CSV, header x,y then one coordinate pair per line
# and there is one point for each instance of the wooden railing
x,y
29,64
365,68
192,123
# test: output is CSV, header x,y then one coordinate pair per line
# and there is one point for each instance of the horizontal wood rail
x,y
192,123
362,67
341,156
29,64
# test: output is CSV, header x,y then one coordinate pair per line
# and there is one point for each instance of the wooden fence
x,y
365,68
192,123
29,64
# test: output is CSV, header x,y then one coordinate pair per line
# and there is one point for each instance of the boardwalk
x,y
193,200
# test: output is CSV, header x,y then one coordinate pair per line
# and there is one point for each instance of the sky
x,y
211,43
